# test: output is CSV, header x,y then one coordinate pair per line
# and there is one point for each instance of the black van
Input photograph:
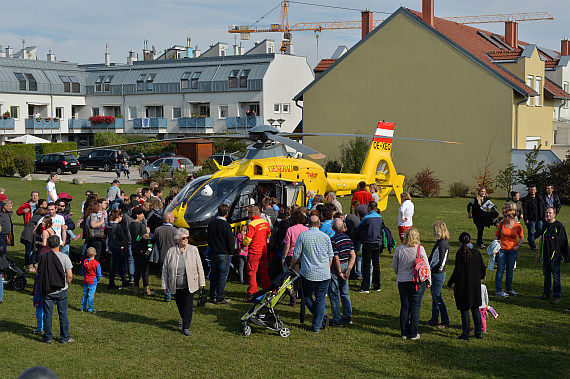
x,y
101,158
58,163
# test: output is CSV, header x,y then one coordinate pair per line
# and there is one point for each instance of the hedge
x,y
48,148
7,154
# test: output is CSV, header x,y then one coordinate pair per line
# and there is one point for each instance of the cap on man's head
x,y
116,181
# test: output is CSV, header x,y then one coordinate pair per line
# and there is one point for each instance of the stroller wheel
x,y
19,284
284,332
7,277
246,329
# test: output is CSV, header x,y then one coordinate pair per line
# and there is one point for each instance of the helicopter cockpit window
x,y
186,192
244,200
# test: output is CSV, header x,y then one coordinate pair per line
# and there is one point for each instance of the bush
x,y
160,175
506,178
426,184
353,154
532,173
484,180
7,154
458,189
557,175
208,168
24,164
108,138
48,148
333,166
178,178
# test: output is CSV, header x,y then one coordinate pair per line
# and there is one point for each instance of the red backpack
x,y
421,272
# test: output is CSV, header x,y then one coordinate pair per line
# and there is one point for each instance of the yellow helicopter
x,y
268,170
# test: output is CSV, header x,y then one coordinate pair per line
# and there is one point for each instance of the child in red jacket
x,y
91,270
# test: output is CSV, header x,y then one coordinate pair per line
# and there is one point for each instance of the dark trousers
x,y
220,267
117,260
141,268
99,245
465,319
480,228
370,252
185,303
410,305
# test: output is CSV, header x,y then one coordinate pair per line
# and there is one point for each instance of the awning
x,y
111,104
35,103
153,104
28,139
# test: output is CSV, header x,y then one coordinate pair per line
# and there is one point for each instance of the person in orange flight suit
x,y
258,231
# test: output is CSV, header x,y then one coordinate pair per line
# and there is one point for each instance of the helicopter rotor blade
x,y
364,136
314,154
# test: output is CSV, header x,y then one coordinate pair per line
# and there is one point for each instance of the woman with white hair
x,y
183,275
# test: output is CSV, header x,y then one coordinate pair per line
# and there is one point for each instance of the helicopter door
x,y
288,193
242,202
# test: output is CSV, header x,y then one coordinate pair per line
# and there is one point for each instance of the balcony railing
x,y
85,125
32,123
241,123
152,123
197,123
7,124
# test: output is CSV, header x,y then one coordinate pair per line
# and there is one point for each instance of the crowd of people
x,y
326,247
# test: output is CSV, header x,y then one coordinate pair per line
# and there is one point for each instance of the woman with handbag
x,y
94,232
475,212
467,275
411,292
139,242
183,275
510,234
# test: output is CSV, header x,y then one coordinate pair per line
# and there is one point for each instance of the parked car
x,y
175,163
58,163
101,158
138,159
223,159
164,154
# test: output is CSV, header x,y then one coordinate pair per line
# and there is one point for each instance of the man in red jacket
x,y
27,209
258,231
362,195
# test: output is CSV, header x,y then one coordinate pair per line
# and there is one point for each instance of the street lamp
x,y
277,122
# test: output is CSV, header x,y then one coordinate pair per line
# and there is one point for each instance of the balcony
x,y
7,124
199,124
154,124
243,123
83,124
32,123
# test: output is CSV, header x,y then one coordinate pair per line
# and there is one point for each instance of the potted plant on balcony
x,y
38,119
47,119
6,115
56,119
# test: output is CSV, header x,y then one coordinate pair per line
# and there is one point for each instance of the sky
x,y
78,30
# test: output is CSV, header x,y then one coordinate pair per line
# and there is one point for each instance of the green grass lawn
x,y
138,337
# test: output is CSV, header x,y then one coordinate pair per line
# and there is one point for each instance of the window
x,y
176,112
132,112
243,78
529,83
15,111
140,82
98,83
286,108
232,79
195,77
277,108
59,112
22,79
223,112
565,88
74,84
149,82
94,111
32,83
107,83
538,89
154,111
67,83
184,80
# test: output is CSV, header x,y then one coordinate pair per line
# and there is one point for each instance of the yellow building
x,y
436,79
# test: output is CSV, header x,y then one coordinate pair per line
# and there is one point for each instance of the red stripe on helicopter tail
x,y
382,139
384,132
386,125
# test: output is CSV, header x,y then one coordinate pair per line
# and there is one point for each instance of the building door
x,y
532,142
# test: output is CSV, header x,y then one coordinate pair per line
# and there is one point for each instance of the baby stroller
x,y
67,198
269,298
11,274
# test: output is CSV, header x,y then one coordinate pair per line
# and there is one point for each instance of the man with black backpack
x,y
54,277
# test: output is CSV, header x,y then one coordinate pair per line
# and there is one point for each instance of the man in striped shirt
x,y
343,261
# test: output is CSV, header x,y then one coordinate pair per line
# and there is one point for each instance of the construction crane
x,y
317,27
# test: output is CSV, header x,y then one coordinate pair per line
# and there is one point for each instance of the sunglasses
x,y
184,238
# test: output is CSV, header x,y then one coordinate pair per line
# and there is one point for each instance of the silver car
x,y
175,163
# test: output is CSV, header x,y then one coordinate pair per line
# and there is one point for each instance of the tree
x,y
558,174
353,153
108,138
532,173
506,178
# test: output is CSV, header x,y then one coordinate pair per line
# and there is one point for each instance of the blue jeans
x,y
64,249
465,320
437,303
316,306
219,269
533,227
547,271
166,293
61,300
358,264
1,288
29,255
339,286
117,260
88,297
40,318
506,260
114,204
410,305
129,264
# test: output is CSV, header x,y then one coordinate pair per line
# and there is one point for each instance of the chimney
x,y
131,58
9,52
197,52
50,57
2,53
107,55
565,47
512,34
367,25
428,12
146,51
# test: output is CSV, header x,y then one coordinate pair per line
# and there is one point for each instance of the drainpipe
x,y
560,110
125,111
517,122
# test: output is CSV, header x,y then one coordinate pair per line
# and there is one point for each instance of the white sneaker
x,y
417,337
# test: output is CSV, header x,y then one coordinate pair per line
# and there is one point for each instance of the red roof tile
x,y
324,64
551,63
555,90
500,55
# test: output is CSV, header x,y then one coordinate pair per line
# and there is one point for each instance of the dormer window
x,y
71,84
232,79
243,78
74,84
98,83
32,83
140,82
194,80
149,81
184,80
107,83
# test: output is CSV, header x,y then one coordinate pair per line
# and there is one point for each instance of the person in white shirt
x,y
58,223
405,214
37,115
51,192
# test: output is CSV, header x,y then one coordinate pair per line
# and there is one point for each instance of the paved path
x,y
100,176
